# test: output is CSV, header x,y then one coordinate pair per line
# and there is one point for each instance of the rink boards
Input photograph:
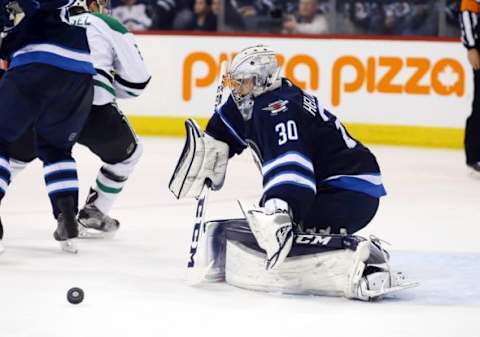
x,y
411,92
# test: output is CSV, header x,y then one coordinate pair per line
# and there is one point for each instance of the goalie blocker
x,y
332,265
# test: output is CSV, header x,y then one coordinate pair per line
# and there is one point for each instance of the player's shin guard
x,y
111,180
62,186
61,180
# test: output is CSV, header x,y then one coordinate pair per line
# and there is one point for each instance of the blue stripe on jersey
x,y
288,158
56,44
53,60
359,185
290,178
230,128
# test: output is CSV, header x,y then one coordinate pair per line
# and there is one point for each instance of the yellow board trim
x,y
366,133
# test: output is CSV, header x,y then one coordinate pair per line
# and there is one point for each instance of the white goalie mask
x,y
251,73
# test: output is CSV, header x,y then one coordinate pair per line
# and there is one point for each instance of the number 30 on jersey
x,y
286,131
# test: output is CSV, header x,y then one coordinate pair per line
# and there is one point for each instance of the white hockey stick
x,y
197,267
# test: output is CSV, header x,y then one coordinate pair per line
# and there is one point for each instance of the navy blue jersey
x,y
44,36
301,146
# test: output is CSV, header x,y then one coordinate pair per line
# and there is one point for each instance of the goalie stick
x,y
196,272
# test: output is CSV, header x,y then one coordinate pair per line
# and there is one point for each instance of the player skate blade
x,y
91,233
69,246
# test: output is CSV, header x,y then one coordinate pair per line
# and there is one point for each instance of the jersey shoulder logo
x,y
276,107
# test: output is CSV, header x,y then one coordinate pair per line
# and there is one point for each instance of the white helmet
x,y
80,3
102,5
258,63
11,14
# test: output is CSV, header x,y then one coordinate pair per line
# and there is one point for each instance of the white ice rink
x,y
134,284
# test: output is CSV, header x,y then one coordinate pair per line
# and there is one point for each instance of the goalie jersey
x,y
302,148
121,72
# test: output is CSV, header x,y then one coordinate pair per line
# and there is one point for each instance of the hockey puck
x,y
75,295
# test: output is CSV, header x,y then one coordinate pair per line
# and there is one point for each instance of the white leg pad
x,y
316,274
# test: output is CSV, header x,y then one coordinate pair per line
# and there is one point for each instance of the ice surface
x,y
134,284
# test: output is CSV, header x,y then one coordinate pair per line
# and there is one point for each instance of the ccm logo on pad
x,y
310,239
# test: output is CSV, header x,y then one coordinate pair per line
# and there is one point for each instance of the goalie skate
x,y
371,276
376,285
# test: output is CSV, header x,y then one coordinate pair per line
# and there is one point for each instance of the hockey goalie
x,y
320,186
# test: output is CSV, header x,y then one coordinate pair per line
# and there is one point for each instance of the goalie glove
x,y
203,158
273,229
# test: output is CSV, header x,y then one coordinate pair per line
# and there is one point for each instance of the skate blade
x,y
91,233
386,291
69,246
2,248
473,174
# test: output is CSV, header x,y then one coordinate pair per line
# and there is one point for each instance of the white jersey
x,y
121,72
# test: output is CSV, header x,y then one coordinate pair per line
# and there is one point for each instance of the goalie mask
x,y
251,73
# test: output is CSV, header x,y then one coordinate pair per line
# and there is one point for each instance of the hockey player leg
x,y
22,151
4,181
62,186
108,134
93,217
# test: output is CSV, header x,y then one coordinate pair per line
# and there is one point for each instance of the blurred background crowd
x,y
385,17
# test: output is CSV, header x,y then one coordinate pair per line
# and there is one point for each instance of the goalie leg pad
x,y
338,265
203,158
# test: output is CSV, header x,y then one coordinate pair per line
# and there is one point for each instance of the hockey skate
x,y
371,277
474,170
93,224
66,230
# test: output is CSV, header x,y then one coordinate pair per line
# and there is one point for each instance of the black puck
x,y
75,295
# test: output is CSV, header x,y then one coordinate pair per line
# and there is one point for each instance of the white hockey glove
x,y
203,158
272,227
